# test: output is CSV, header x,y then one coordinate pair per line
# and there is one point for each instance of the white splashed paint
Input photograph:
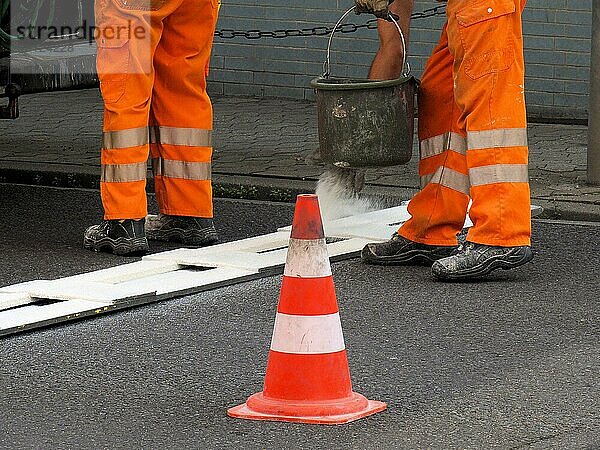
x,y
338,190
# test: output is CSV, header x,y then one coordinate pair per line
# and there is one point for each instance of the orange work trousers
x,y
152,61
473,130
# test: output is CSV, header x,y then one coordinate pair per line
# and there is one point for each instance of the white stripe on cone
x,y
307,335
307,259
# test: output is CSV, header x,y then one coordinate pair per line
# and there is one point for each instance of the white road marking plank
x,y
259,244
255,262
72,288
22,288
374,232
187,282
36,316
64,289
338,227
346,249
169,274
12,300
382,216
170,257
127,272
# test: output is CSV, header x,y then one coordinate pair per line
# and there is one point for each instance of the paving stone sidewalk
x,y
267,142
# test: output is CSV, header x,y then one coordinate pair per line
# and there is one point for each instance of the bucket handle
x,y
390,17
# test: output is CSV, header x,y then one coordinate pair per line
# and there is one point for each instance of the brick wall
x,y
557,50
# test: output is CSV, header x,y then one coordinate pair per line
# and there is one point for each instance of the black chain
x,y
319,31
431,12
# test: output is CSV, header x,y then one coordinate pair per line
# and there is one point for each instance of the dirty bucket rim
x,y
321,82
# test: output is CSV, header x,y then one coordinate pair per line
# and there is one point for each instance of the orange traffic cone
x,y
308,378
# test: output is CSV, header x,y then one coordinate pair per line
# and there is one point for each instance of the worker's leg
x,y
127,33
438,211
486,42
387,64
182,111
125,41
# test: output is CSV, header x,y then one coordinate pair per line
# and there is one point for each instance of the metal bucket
x,y
365,123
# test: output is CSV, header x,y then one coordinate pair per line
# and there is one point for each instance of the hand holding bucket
x,y
379,8
390,17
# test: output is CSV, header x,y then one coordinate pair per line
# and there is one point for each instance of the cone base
x,y
244,412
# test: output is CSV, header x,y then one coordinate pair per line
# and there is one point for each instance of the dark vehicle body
x,y
45,45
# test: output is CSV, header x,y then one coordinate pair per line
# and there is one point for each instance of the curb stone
x,y
274,189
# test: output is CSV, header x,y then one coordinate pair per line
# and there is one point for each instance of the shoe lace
x,y
464,247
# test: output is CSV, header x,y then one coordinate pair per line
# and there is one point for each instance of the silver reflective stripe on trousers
x,y
448,178
437,145
502,137
122,173
499,173
181,169
187,137
132,137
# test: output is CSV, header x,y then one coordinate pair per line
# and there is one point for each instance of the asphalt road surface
x,y
510,362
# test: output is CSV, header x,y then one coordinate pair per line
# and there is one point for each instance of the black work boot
x,y
476,260
122,238
400,251
194,231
